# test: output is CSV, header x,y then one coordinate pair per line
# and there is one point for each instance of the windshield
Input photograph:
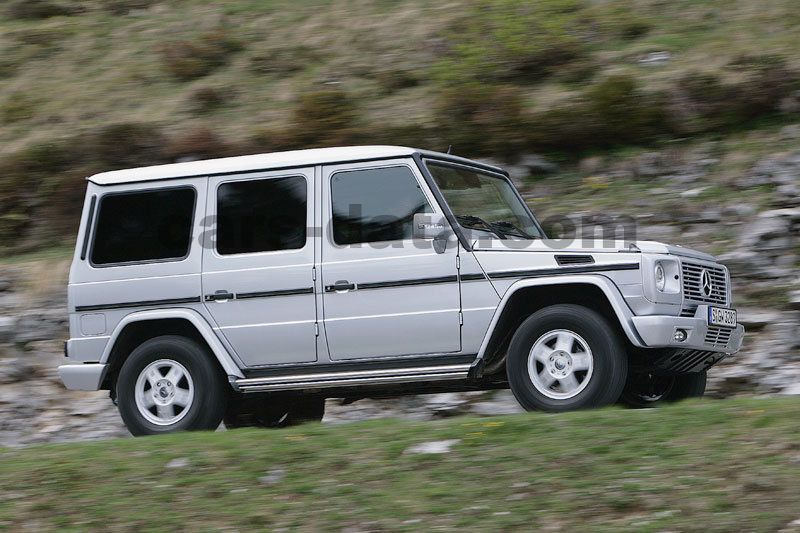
x,y
484,202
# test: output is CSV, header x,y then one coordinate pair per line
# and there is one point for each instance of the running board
x,y
326,380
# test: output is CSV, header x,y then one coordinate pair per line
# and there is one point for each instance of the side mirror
x,y
432,226
428,225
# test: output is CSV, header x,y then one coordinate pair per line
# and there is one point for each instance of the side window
x,y
375,205
144,226
261,215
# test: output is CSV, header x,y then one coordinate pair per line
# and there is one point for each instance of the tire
x,y
569,340
648,390
273,412
150,402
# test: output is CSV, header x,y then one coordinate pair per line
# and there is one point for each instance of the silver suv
x,y
249,289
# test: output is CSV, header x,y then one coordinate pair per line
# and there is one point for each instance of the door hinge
x,y
460,318
458,262
316,329
314,273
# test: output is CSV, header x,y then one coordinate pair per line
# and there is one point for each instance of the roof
x,y
275,160
294,158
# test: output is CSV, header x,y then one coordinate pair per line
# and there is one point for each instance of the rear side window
x,y
375,205
144,226
261,215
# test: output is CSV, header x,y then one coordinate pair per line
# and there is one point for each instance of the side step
x,y
326,380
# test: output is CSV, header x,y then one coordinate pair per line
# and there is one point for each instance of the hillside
x,y
708,466
90,85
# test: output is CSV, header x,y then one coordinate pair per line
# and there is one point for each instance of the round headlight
x,y
661,279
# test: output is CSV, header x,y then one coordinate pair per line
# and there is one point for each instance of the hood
x,y
588,246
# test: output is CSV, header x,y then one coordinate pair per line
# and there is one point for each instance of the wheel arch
x,y
139,327
527,296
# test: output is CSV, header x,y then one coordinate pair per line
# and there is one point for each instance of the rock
x,y
273,476
41,325
178,462
693,193
433,447
790,132
794,299
757,319
445,404
537,164
656,58
7,328
15,370
764,230
738,210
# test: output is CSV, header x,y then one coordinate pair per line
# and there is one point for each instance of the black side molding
x,y
142,303
407,282
270,294
542,272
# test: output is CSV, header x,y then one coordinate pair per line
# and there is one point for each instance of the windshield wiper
x,y
510,229
470,222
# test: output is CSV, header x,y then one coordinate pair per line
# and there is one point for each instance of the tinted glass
x,y
261,215
375,205
143,226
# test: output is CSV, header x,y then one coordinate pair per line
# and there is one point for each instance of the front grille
x,y
693,286
718,336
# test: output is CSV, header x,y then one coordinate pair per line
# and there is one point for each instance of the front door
x,y
257,265
385,295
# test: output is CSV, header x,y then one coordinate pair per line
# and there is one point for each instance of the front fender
x,y
202,326
610,290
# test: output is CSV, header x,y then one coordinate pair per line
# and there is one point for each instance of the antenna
x,y
449,149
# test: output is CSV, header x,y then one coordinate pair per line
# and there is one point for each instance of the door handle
x,y
220,296
340,286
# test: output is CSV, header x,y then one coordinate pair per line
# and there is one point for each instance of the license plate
x,y
718,316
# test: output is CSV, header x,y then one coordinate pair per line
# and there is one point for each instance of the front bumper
x,y
82,376
659,332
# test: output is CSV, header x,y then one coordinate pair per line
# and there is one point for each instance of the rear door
x,y
385,295
258,265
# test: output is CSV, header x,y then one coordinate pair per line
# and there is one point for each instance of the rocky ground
x,y
752,225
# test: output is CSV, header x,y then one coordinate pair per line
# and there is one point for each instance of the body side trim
x,y
542,272
143,303
270,294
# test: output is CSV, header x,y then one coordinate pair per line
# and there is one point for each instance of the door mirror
x,y
429,225
432,226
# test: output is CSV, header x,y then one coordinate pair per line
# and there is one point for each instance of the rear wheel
x,y
257,411
652,390
170,384
566,357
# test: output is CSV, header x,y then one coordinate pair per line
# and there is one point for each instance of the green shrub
x,y
17,107
481,119
197,143
124,145
326,117
190,59
37,9
123,7
505,40
701,102
207,99
612,112
282,60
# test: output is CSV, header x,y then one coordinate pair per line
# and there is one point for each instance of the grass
x,y
697,466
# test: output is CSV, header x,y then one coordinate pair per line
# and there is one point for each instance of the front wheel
x,y
652,390
566,357
170,384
